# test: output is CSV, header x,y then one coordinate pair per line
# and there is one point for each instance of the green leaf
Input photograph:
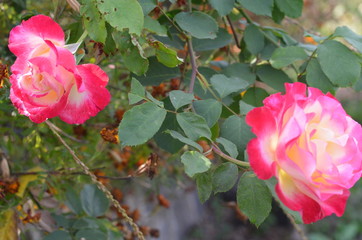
x,y
204,186
253,198
134,61
91,234
180,98
140,123
353,38
8,225
358,85
137,92
284,56
198,24
73,201
157,73
210,109
237,131
259,7
123,14
166,56
147,5
244,107
57,235
223,7
229,147
225,86
93,21
277,15
255,96
316,77
193,125
110,45
224,177
240,70
178,136
222,39
93,200
273,77
85,222
195,162
291,8
154,26
254,39
154,100
339,63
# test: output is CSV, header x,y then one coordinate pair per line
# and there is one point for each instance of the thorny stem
x,y
234,32
216,150
66,134
193,65
108,194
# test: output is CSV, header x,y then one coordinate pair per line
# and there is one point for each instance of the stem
x,y
216,150
108,194
172,22
297,227
66,134
234,32
193,65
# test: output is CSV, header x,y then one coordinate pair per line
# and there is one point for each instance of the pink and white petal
x,y
262,122
261,161
335,204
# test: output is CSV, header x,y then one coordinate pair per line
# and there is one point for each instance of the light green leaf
x,y
259,7
134,61
223,7
291,8
195,162
253,198
204,185
284,56
137,92
339,63
316,77
222,39
210,109
229,147
123,14
140,124
153,26
93,200
93,21
224,177
254,39
273,77
180,98
193,125
244,107
8,225
198,24
353,38
237,131
178,136
166,56
225,86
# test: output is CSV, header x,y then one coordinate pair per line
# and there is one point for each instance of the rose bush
x,y
46,82
311,146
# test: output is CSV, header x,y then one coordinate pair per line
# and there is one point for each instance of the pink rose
x,y
311,146
46,82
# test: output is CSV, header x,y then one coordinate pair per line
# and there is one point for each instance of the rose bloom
x,y
311,146
46,82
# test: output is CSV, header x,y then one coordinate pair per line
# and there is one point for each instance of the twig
x,y
193,65
216,150
66,134
108,194
234,32
297,227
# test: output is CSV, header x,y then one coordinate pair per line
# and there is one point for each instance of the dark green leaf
x,y
358,85
93,200
229,147
260,7
140,124
198,24
254,39
277,15
209,109
58,235
123,14
273,77
195,162
339,63
237,131
240,70
204,185
73,201
137,92
93,21
291,8
223,7
353,38
134,61
255,96
147,5
193,125
154,100
185,140
90,234
244,107
180,98
254,198
316,77
85,222
222,39
157,73
224,177
282,57
166,56
225,86
153,26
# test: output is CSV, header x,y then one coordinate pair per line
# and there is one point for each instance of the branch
x,y
194,70
216,150
66,134
234,32
296,226
108,194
